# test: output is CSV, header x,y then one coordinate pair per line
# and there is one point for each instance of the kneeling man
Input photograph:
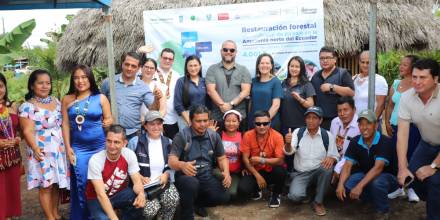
x,y
315,155
373,155
107,186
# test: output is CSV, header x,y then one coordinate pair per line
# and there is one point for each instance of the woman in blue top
x,y
190,90
85,114
266,91
392,115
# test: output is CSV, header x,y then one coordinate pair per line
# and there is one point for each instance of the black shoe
x,y
257,195
274,201
201,211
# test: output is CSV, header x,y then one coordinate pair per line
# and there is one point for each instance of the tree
x,y
10,43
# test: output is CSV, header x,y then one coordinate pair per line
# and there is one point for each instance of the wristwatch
x,y
232,104
434,165
332,87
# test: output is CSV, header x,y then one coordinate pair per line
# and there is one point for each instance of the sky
x,y
47,20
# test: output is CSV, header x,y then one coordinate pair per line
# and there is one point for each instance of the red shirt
x,y
232,151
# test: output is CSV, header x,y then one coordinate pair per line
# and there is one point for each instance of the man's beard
x,y
232,60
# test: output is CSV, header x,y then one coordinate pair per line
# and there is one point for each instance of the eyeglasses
x,y
326,58
167,58
262,123
231,50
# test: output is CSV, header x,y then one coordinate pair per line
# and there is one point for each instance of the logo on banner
x,y
209,17
223,16
309,10
192,18
180,18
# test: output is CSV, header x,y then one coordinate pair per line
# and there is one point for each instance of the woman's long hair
x,y
185,92
32,78
88,71
302,71
8,103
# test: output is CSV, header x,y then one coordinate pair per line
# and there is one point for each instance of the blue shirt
x,y
129,99
196,94
262,94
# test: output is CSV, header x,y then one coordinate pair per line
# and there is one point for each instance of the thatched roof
x,y
402,24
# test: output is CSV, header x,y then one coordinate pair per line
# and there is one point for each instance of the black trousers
x,y
248,183
202,190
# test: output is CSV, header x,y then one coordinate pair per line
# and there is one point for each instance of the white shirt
x,y
155,153
97,162
352,130
171,115
361,91
311,150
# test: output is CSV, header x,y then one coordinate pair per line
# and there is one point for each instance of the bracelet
x,y
262,160
288,153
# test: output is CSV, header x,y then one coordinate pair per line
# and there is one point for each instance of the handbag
x,y
155,191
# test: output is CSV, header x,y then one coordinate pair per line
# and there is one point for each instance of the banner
x,y
280,28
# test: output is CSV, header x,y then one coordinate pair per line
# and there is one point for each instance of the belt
x,y
200,166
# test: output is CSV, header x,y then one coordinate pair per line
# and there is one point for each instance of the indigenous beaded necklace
x,y
46,100
167,83
81,115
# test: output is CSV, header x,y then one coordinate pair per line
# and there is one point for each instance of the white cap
x,y
234,112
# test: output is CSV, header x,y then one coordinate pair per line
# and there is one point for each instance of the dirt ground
x,y
400,209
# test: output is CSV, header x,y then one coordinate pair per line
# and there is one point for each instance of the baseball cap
x,y
153,115
314,109
367,114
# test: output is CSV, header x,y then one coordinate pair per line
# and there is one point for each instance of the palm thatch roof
x,y
402,24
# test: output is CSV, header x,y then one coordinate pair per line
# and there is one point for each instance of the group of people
x,y
195,141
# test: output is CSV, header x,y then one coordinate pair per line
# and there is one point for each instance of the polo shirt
x,y
310,151
272,148
425,116
129,99
262,96
292,112
216,74
201,149
363,158
196,94
327,101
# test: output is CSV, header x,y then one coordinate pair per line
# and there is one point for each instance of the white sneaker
x,y
398,193
412,196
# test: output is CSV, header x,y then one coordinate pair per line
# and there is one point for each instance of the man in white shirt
x,y
166,75
107,185
315,155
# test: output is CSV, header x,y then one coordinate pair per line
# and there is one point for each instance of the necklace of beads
x,y
46,100
81,115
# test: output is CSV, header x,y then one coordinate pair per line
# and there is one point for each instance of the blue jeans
x,y
428,189
122,200
376,191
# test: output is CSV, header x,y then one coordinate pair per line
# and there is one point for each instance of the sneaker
x,y
319,209
201,211
257,195
398,193
412,196
274,201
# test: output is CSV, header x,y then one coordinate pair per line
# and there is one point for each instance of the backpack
x,y
213,138
324,136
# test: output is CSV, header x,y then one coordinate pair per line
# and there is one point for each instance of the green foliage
x,y
12,41
389,62
17,88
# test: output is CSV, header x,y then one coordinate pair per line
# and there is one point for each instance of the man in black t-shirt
x,y
373,157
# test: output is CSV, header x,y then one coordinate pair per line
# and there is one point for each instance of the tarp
x,y
52,4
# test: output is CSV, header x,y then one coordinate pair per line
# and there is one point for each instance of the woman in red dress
x,y
10,159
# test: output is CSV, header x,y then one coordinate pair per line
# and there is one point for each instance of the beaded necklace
x,y
6,123
46,100
81,115
167,83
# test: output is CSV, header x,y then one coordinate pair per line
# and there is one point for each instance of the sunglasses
x,y
262,123
231,50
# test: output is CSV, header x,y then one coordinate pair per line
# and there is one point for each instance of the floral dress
x,y
48,136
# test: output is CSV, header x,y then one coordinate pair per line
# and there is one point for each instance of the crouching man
x,y
374,157
315,155
194,151
107,187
